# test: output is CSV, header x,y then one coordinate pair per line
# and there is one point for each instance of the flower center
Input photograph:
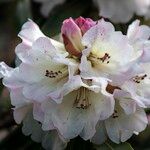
x,y
138,79
52,74
59,74
104,59
82,100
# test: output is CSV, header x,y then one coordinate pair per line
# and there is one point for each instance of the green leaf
x,y
113,146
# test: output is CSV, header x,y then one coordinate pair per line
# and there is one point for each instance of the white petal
x,y
88,130
12,81
17,98
30,32
136,32
120,128
50,140
135,122
38,114
126,101
100,41
131,87
73,83
125,135
100,135
145,47
66,118
71,121
22,51
21,112
112,128
103,104
32,127
37,91
127,72
44,45
5,70
102,30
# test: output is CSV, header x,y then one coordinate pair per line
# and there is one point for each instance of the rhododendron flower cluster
x,y
95,84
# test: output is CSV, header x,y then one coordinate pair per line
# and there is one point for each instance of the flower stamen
x,y
138,79
103,59
52,74
82,100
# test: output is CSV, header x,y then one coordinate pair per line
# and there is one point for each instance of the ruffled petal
x,y
21,112
104,55
138,32
100,32
50,140
69,122
30,32
100,135
126,101
121,126
5,70
74,83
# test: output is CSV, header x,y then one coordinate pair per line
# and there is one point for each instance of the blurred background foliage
x,y
13,13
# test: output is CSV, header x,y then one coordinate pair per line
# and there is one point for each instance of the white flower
x,y
48,5
131,96
23,113
44,66
44,60
139,84
123,10
138,36
80,109
100,48
96,81
108,52
48,81
120,126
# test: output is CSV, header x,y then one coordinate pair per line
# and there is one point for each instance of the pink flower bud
x,y
72,32
84,24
